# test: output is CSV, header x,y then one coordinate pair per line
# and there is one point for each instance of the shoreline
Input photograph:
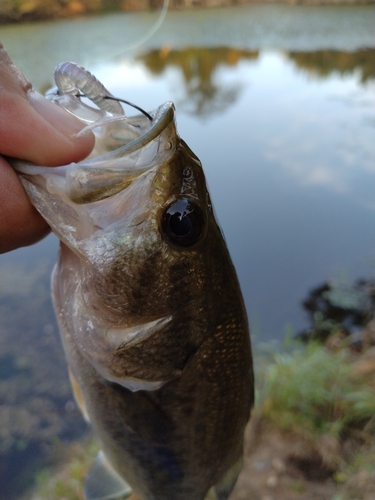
x,y
12,12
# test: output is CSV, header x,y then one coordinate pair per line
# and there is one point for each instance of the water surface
x,y
278,103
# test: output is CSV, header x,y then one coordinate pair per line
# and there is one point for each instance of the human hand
x,y
33,129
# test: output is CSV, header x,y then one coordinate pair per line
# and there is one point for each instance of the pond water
x,y
278,103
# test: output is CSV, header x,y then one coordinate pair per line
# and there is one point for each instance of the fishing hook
x,y
112,98
71,77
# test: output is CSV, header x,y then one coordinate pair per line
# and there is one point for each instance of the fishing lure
x,y
73,79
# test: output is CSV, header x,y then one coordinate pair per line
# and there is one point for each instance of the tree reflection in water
x,y
204,93
325,62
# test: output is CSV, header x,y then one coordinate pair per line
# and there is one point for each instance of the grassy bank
x,y
318,402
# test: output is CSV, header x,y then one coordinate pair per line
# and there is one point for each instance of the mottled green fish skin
x,y
180,440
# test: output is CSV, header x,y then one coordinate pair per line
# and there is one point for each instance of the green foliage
x,y
66,482
314,390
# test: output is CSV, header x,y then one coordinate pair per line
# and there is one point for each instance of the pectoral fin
x,y
103,482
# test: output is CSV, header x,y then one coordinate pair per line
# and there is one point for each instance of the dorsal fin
x,y
103,482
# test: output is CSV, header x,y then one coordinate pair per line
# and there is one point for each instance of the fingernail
x,y
60,119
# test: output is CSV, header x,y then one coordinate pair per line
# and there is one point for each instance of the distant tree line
x,y
33,10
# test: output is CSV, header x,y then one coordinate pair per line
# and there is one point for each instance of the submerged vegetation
x,y
66,483
36,408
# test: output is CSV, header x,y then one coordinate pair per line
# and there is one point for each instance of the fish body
x,y
150,312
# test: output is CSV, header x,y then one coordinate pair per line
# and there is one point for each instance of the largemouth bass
x,y
148,303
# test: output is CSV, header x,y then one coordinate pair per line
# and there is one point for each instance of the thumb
x,y
33,128
36,130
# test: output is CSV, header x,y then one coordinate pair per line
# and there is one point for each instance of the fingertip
x,y
63,142
61,150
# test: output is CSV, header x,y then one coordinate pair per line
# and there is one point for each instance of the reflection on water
x,y
325,62
340,307
289,161
204,94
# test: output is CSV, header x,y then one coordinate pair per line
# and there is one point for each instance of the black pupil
x,y
182,223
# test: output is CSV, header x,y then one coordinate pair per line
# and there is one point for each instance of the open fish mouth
x,y
126,150
136,145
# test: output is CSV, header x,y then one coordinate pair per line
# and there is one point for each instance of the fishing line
x,y
68,73
148,34
133,46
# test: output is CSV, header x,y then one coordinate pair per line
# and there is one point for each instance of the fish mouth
x,y
103,175
76,199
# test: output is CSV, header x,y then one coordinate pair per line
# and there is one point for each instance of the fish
x,y
148,303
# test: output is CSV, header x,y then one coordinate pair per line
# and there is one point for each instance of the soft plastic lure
x,y
73,79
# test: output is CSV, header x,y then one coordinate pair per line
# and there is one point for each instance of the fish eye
x,y
183,223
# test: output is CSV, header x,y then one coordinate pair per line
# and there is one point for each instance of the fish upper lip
x,y
127,337
163,116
